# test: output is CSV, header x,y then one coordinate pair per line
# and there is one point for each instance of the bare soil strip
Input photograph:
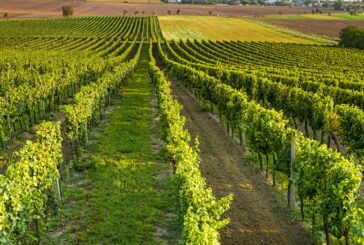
x,y
257,215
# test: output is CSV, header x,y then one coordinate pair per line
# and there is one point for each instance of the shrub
x,y
355,10
178,11
67,10
352,36
319,11
339,5
6,15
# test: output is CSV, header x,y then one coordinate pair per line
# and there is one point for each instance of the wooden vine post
x,y
8,118
291,187
59,193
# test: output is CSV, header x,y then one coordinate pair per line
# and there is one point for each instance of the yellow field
x,y
221,28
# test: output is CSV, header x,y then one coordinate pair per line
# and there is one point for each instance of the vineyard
x,y
97,143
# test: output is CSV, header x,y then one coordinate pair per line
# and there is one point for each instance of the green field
x,y
222,28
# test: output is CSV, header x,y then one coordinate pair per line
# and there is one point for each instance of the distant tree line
x,y
353,37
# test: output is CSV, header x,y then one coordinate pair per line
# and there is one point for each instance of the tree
x,y
178,11
67,10
339,5
210,13
355,9
352,36
125,12
6,15
136,12
169,12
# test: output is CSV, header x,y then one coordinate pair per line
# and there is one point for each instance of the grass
x,y
222,28
122,191
339,16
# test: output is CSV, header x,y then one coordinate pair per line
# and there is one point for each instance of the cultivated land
x,y
329,28
334,16
33,9
112,107
126,1
257,213
320,24
121,191
220,28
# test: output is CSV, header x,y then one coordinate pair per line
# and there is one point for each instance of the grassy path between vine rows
x,y
258,214
120,191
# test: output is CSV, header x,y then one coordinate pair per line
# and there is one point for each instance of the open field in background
x,y
320,24
105,1
329,28
221,28
126,1
334,16
34,9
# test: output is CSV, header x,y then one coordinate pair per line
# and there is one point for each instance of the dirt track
x,y
257,216
35,9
